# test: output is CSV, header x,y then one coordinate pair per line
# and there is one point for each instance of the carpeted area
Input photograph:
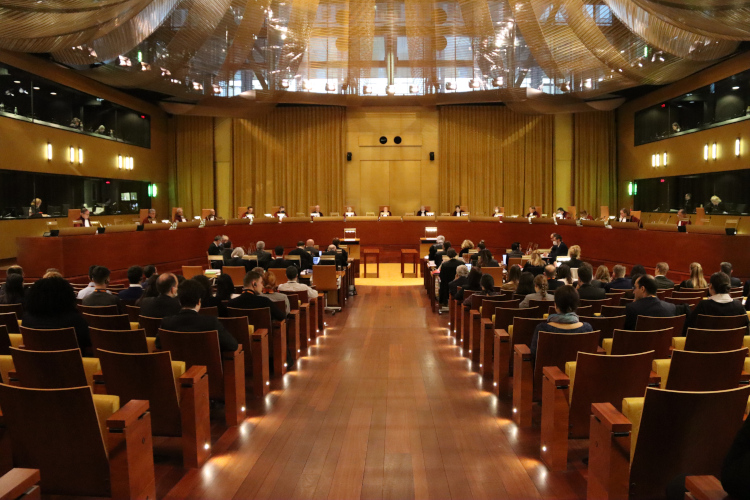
x,y
390,275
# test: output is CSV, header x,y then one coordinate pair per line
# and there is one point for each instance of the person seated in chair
x,y
626,217
249,213
83,220
439,254
281,213
561,213
540,292
386,212
178,216
457,211
306,261
485,259
586,290
264,258
550,274
682,218
422,211
515,250
620,282
726,268
166,303
50,304
448,274
487,282
252,296
189,294
350,212
236,260
496,212
331,250
270,289
660,272
279,262
435,248
565,319
715,206
532,212
462,280
14,290
574,253
316,212
646,303
559,249
584,215
720,303
211,214
134,290
150,218
292,285
342,256
535,265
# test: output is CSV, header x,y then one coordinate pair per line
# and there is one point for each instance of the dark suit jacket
x,y
433,251
663,283
73,318
279,264
249,300
447,274
619,284
131,293
214,250
574,263
734,282
515,254
648,306
461,281
553,284
439,257
329,262
240,262
535,270
101,299
188,320
561,250
342,257
264,258
713,308
160,307
589,292
306,261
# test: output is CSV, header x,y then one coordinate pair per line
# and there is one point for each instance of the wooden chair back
x,y
151,325
293,301
10,321
610,311
581,311
705,371
190,271
721,322
325,278
690,301
237,326
49,369
133,312
605,324
683,431
703,340
504,316
126,341
515,261
489,304
99,310
117,322
523,330
5,343
57,432
281,273
209,311
664,293
49,340
634,342
596,305
605,379
615,296
543,305
16,308
556,349
237,273
197,348
149,377
676,323
688,293
495,272
259,318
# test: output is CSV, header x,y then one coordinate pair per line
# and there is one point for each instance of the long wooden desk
x,y
171,249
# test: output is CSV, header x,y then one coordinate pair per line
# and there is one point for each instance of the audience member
x,y
637,270
535,265
466,245
462,279
448,274
264,258
525,284
306,261
586,290
52,273
620,282
660,278
575,254
440,253
149,289
564,275
134,290
514,275
646,303
342,256
187,318
487,284
602,277
559,249
330,252
726,268
696,279
14,269
226,250
207,299
166,303
720,303
310,247
734,477
14,290
270,290
224,287
485,259
148,271
515,250
90,288
565,319
550,274
540,292
236,260
51,303
473,283
439,241
252,296
292,285
100,296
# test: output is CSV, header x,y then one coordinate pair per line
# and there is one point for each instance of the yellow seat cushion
x,y
661,367
251,330
597,314
747,407
545,316
570,371
178,370
151,343
678,343
493,320
510,330
607,346
90,367
105,406
16,340
746,340
746,367
134,325
632,408
20,322
6,365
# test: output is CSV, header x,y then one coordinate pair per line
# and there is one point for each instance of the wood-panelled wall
x,y
594,161
194,163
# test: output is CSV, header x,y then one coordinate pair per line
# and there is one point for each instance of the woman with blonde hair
x,y
574,253
696,279
535,265
602,276
465,247
270,290
540,291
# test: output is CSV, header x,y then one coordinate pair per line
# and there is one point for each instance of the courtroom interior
x,y
368,249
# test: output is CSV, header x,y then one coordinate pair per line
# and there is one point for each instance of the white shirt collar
x,y
135,286
722,298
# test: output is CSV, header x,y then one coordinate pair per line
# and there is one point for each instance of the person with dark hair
x,y
100,296
532,212
626,217
190,292
14,291
12,270
306,260
447,274
720,303
227,247
688,206
216,246
514,275
462,279
565,319
525,284
515,250
166,303
342,256
637,270
292,285
439,254
564,275
148,271
726,268
457,211
279,262
89,289
224,287
83,220
586,290
208,299
134,290
252,296
540,292
51,303
473,282
487,284
485,259
560,213
559,249
434,249
646,303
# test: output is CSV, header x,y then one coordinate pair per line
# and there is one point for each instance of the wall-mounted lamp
x,y
705,152
72,154
665,159
80,155
737,147
713,151
119,161
152,191
49,151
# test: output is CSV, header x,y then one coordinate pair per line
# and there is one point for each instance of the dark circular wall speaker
x,y
397,139
383,140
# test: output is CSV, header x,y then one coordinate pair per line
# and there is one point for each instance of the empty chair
x,y
255,342
10,321
596,305
112,322
226,370
80,442
482,308
151,325
636,453
637,341
126,341
721,322
237,273
521,331
612,310
261,320
49,340
701,371
566,413
703,340
152,378
133,312
676,323
53,369
15,308
99,310
605,324
209,311
326,283
190,271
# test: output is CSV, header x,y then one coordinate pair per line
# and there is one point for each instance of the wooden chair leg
x,y
292,339
278,348
321,324
501,362
261,373
304,327
475,322
196,425
609,454
466,331
458,313
523,386
555,418
234,386
131,452
486,344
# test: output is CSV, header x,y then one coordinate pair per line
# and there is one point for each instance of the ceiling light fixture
x,y
80,156
705,152
49,151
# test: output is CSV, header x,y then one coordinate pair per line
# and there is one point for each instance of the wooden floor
x,y
383,407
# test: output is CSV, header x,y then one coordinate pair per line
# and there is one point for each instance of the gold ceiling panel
x,y
536,55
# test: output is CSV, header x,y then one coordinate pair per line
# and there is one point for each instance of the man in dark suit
x,y
726,268
448,274
279,262
550,272
215,248
305,258
252,296
440,253
264,258
434,249
586,290
559,249
310,247
422,212
515,250
462,279
226,250
662,282
135,290
342,256
331,250
165,304
620,282
189,294
646,303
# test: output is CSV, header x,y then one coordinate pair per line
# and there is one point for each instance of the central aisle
x,y
383,407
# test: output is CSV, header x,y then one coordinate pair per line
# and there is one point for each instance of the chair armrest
x,y
705,488
229,355
128,414
600,350
192,376
654,379
612,419
523,350
487,323
260,333
744,377
501,334
556,376
17,483
99,385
